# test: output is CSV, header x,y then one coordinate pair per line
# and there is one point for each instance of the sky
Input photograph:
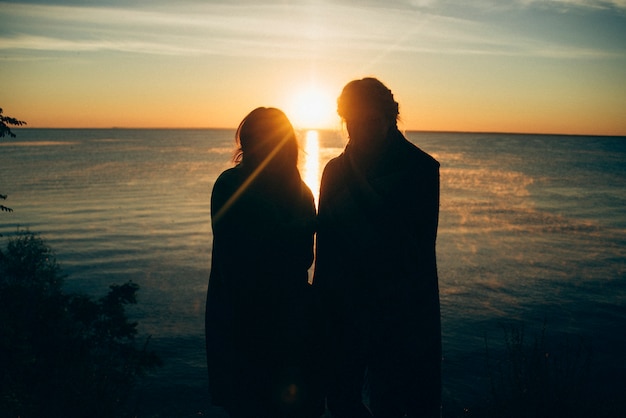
x,y
527,66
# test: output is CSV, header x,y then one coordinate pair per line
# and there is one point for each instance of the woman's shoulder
x,y
225,185
229,173
229,176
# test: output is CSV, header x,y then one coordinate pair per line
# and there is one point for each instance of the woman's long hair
x,y
267,154
267,150
265,136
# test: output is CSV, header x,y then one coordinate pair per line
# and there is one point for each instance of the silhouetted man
x,y
376,269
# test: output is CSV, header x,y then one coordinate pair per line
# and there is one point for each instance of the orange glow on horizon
x,y
313,107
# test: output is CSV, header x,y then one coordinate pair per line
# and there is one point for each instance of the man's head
x,y
369,111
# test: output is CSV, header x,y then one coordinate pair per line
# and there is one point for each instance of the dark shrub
x,y
63,354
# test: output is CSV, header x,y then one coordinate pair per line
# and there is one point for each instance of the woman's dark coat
x,y
258,332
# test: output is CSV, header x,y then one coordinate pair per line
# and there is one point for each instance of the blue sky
x,y
513,65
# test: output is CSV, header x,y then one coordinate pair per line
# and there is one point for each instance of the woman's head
x,y
266,137
369,110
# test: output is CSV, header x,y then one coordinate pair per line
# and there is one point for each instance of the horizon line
x,y
326,129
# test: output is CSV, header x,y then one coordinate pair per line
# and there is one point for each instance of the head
x,y
266,137
369,111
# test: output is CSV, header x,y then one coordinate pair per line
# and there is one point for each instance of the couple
x,y
364,340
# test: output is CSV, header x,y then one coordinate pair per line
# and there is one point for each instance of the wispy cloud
x,y
516,4
595,4
296,30
216,30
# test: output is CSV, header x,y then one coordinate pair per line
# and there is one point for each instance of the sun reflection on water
x,y
311,164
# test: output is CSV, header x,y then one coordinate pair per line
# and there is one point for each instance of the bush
x,y
63,354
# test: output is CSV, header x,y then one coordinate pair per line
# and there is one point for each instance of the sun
x,y
312,108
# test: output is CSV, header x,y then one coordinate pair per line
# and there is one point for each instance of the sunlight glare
x,y
313,108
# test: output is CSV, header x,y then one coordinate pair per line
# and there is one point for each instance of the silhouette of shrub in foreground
x,y
63,354
531,379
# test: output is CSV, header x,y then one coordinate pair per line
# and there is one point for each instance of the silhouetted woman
x,y
260,353
376,267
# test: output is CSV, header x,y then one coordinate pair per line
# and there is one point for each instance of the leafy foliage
x,y
5,121
2,207
63,354
5,130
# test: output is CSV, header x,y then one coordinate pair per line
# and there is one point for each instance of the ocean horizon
x,y
304,130
532,233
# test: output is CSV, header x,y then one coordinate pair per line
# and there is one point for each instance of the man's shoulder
x,y
419,156
334,163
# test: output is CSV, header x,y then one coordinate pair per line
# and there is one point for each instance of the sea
x,y
532,237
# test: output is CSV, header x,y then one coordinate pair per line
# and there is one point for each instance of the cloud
x,y
593,4
218,30
517,4
205,29
300,30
